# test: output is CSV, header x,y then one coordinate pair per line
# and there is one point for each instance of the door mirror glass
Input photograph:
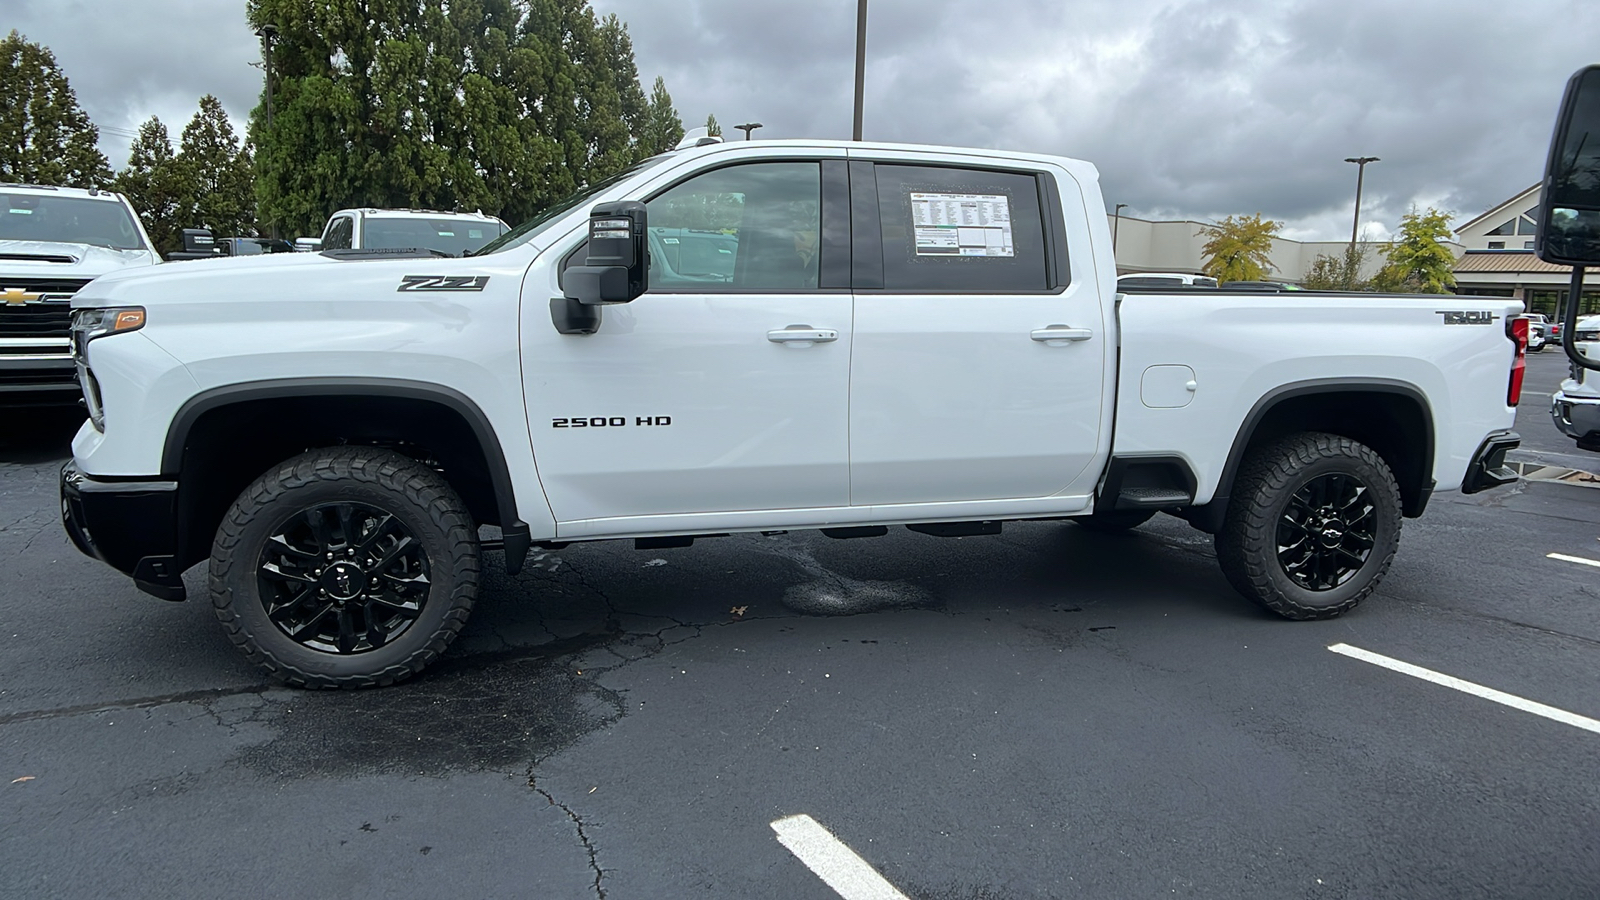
x,y
1569,209
614,271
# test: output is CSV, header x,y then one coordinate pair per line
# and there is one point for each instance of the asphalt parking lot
x,y
1045,713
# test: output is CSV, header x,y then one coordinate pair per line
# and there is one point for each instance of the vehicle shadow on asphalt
x,y
30,435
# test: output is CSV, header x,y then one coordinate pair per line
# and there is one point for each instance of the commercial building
x,y
1499,262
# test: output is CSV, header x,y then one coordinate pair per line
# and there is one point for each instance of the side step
x,y
1152,498
956,529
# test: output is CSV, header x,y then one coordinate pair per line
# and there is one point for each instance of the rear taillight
x,y
1517,331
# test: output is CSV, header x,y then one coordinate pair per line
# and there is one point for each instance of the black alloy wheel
x,y
343,577
1325,535
345,567
1312,525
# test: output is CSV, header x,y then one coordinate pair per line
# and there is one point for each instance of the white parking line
x,y
1467,687
836,864
1574,559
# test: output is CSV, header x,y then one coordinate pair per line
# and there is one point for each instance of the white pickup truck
x,y
904,335
53,241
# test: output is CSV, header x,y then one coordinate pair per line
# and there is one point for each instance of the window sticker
x,y
962,224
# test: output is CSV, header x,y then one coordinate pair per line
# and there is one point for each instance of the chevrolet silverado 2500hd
x,y
53,241
903,335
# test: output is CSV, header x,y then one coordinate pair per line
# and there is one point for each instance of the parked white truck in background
x,y
906,335
449,233
53,241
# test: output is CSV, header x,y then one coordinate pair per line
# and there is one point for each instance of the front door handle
x,y
802,334
1060,335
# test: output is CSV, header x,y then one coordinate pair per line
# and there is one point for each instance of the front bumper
x,y
131,526
1488,468
1577,417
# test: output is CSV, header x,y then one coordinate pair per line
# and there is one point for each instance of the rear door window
x,y
953,230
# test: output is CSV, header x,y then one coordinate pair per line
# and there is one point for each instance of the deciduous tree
x,y
45,136
1238,248
1419,261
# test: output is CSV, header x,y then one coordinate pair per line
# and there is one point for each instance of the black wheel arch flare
x,y
177,445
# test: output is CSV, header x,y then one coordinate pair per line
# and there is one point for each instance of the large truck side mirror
x,y
614,271
1569,205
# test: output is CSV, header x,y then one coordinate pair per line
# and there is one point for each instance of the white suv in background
x,y
452,233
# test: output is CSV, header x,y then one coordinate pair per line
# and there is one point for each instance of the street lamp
x,y
1116,219
861,62
1361,170
747,128
268,34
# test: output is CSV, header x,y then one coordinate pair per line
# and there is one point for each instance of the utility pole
x,y
861,62
268,34
1116,220
1361,171
747,128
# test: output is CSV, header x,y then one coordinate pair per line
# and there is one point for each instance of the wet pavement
x,y
1044,713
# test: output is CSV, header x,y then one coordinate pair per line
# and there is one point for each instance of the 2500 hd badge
x,y
607,421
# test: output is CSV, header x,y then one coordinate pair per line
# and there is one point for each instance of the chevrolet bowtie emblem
x,y
17,296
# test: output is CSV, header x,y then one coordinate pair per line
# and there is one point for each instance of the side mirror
x,y
307,245
1569,206
198,240
614,271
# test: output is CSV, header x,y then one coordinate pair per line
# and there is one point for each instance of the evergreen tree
x,y
662,128
218,172
500,105
45,137
157,186
712,128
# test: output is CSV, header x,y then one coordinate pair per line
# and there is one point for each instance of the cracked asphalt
x,y
1045,713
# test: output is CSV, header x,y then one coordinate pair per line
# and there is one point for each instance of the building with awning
x,y
1499,261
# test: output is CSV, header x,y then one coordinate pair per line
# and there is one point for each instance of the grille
x,y
51,317
33,320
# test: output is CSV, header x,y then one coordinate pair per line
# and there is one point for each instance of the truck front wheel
x,y
1312,525
345,567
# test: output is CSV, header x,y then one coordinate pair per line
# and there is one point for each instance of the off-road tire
x,y
423,503
1116,522
1247,544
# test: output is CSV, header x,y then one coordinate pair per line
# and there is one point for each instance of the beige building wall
x,y
1175,246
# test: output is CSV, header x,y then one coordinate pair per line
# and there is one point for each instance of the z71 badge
x,y
443,282
1456,317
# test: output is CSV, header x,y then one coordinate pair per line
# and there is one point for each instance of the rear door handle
x,y
1058,335
802,334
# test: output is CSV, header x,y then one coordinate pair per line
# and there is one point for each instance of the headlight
x,y
88,324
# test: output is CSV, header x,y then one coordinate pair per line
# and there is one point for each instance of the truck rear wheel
x,y
345,567
1312,525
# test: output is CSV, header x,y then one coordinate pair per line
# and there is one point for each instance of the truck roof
x,y
1077,166
53,190
377,213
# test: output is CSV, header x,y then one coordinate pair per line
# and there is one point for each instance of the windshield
x,y
453,236
531,228
67,220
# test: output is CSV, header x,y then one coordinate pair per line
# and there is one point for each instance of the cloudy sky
x,y
1190,108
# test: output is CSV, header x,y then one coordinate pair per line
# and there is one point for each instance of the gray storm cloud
x,y
1190,109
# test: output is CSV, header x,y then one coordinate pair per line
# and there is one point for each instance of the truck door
x,y
978,371
724,387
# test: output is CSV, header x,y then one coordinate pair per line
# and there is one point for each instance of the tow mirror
x,y
614,270
198,240
1569,206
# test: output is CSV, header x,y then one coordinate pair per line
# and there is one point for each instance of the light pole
x,y
861,62
1361,171
747,128
268,34
1116,220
